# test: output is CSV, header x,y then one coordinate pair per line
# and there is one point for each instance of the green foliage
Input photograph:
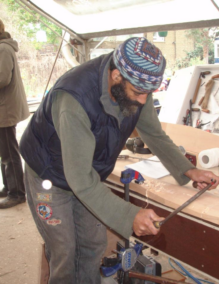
x,y
202,37
30,23
211,54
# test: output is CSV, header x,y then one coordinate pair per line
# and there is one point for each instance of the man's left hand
x,y
203,178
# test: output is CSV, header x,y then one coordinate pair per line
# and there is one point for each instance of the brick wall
x,y
174,46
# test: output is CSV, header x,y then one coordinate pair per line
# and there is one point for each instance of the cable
x,y
187,273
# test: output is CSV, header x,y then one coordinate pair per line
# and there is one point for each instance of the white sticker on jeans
x,y
54,222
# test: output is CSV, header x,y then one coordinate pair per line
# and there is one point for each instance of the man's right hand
x,y
143,222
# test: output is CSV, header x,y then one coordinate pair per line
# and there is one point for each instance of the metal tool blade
x,y
158,224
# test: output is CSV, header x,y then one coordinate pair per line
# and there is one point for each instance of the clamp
x,y
127,176
125,261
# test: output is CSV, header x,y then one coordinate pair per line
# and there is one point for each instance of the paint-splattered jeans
x,y
74,239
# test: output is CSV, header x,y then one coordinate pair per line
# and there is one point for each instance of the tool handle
x,y
157,224
206,110
109,271
204,73
215,76
208,88
201,100
196,90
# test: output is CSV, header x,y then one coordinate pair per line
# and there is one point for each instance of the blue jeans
x,y
75,240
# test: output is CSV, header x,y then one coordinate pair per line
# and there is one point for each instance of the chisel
x,y
158,224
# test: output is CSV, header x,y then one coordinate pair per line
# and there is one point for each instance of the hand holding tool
x,y
158,224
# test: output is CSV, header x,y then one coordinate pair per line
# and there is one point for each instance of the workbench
x,y
190,237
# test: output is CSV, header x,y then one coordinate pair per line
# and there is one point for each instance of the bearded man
x,y
74,139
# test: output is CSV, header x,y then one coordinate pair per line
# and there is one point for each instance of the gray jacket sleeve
x,y
78,144
150,130
6,67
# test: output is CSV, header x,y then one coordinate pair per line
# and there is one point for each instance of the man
x,y
73,141
13,109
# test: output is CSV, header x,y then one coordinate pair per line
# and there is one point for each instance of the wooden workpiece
x,y
192,236
166,192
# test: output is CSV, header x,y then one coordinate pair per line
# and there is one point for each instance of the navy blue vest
x,y
40,145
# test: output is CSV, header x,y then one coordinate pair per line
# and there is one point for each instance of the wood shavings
x,y
150,184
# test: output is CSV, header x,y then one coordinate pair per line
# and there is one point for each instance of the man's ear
x,y
116,76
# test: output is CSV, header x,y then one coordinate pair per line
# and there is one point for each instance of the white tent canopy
x,y
97,18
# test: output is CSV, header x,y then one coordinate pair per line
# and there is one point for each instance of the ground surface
x,y
21,244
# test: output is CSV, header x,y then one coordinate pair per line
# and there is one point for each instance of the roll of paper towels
x,y
209,158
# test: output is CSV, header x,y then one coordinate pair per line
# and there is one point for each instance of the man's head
x,y
136,71
2,27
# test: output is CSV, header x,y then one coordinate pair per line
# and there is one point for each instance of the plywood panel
x,y
192,139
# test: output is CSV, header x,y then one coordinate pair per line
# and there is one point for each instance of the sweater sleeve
x,y
150,130
78,144
6,66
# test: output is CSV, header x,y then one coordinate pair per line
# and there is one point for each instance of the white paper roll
x,y
209,158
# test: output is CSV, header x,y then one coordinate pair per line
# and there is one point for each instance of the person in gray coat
x,y
13,109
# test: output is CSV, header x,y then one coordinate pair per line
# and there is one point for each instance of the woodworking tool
x,y
187,118
208,89
126,177
158,224
131,157
190,108
206,110
215,76
136,145
195,109
199,123
202,74
125,261
190,157
201,100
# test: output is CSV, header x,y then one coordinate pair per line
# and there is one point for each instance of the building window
x,y
157,38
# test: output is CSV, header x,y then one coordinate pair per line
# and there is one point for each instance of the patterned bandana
x,y
141,63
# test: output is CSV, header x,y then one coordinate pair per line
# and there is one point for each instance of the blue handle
x,y
109,271
128,175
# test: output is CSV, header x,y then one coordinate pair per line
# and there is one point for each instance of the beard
x,y
127,106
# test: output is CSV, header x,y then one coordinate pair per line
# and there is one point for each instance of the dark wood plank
x,y
184,239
